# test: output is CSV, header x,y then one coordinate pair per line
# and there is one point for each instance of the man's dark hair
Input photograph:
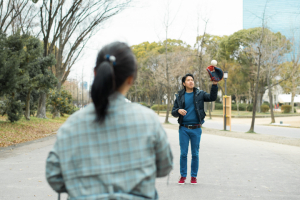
x,y
183,78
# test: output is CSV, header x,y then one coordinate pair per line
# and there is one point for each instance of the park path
x,y
230,168
243,125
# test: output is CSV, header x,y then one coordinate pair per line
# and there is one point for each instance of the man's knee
x,y
183,155
195,153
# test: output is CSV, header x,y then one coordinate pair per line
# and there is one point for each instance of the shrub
x,y
286,108
264,108
250,107
267,103
242,106
144,104
14,110
161,107
60,101
218,106
2,107
72,110
233,106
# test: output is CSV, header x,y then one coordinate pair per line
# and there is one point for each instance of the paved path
x,y
230,168
240,126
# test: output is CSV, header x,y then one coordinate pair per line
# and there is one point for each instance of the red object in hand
x,y
215,73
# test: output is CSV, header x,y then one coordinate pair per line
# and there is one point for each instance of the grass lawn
x,y
248,113
23,130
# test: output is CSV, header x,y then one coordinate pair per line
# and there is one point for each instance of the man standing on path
x,y
189,107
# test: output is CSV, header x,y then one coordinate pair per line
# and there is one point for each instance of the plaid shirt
x,y
118,159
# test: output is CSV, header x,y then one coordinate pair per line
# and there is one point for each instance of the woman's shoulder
x,y
83,114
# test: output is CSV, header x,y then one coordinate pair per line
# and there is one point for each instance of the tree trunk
x,y
293,93
27,106
135,95
255,95
168,79
258,102
221,88
58,76
262,92
271,100
41,112
149,100
292,101
158,104
237,103
55,113
168,107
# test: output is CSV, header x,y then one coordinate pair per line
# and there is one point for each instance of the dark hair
x,y
183,78
110,75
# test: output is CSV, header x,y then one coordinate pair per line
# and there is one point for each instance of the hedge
x,y
144,104
161,107
286,108
218,106
264,108
242,106
250,107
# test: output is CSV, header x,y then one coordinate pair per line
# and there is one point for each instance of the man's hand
x,y
182,112
215,83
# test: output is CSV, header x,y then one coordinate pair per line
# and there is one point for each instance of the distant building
x,y
280,16
85,85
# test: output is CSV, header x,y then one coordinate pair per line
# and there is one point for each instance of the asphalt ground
x,y
230,168
243,125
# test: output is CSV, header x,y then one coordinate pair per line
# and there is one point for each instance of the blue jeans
x,y
185,135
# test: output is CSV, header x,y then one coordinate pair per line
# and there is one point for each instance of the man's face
x,y
189,82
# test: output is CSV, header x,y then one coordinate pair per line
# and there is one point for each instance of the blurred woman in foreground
x,y
111,149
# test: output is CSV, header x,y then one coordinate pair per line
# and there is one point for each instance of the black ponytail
x,y
102,87
111,75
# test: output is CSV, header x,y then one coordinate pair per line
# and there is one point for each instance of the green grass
x,y
247,113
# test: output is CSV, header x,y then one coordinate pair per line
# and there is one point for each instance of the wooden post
x,y
227,111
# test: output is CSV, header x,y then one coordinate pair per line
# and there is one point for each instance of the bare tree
x,y
68,26
259,52
12,12
295,72
276,47
201,41
167,23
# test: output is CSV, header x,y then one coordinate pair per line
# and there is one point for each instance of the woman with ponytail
x,y
111,149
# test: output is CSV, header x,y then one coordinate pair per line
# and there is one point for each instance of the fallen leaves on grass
x,y
23,130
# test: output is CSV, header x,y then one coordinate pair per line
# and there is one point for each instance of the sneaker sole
x,y
194,183
180,183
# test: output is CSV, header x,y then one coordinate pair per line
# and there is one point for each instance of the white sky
x,y
145,22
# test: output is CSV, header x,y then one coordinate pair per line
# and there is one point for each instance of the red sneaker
x,y
181,180
193,180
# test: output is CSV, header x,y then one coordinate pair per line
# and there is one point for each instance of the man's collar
x,y
181,92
